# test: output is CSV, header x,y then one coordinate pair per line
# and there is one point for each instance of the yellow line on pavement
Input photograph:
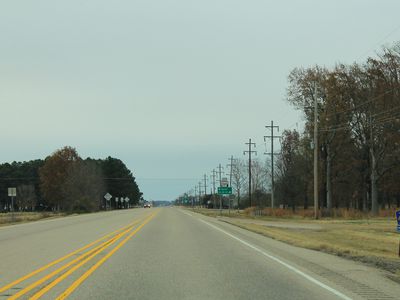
x,y
81,279
62,268
15,282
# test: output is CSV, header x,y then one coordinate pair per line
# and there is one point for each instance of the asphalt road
x,y
170,253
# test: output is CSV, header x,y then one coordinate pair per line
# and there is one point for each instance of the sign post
x,y
127,202
108,198
12,192
223,190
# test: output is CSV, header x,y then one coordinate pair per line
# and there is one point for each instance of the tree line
x,y
358,132
66,182
358,120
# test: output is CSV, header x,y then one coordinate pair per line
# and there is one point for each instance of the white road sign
x,y
12,192
224,182
107,196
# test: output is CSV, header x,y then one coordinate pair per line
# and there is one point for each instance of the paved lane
x,y
176,256
173,254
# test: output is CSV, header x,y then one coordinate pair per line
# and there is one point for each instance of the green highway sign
x,y
225,190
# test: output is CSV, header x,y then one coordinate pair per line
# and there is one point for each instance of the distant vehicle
x,y
147,205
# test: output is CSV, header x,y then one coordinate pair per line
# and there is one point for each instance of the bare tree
x,y
238,178
26,197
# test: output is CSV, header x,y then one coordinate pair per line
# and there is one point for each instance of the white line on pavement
x,y
297,271
186,213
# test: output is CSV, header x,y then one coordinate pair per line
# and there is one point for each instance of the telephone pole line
x,y
250,144
272,137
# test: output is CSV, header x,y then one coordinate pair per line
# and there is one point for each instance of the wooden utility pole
x,y
250,144
205,184
213,177
220,184
230,165
272,137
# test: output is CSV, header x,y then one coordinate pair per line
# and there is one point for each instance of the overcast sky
x,y
171,87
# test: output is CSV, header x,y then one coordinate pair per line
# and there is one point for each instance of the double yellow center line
x,y
105,242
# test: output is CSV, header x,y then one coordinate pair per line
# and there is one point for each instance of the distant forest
x,y
65,182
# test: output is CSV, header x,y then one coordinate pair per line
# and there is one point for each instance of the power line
x,y
362,104
381,121
382,40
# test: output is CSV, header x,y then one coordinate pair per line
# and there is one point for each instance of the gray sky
x,y
171,87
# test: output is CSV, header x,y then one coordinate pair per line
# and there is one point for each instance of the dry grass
x,y
340,213
22,217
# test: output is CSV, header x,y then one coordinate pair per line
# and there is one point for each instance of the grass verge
x,y
23,217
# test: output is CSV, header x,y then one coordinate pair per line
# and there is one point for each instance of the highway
x,y
170,253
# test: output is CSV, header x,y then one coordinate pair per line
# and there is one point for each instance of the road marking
x,y
81,279
62,268
186,213
15,282
290,267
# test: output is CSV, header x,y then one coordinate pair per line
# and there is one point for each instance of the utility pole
x,y
200,194
315,153
213,177
220,183
195,193
272,137
205,185
250,144
230,165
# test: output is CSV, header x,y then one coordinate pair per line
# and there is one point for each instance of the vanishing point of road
x,y
170,253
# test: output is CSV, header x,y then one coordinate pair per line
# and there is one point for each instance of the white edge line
x,y
297,271
186,213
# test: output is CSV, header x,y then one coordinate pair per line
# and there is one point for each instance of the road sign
x,y
224,182
12,192
398,220
116,199
225,190
127,199
107,196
